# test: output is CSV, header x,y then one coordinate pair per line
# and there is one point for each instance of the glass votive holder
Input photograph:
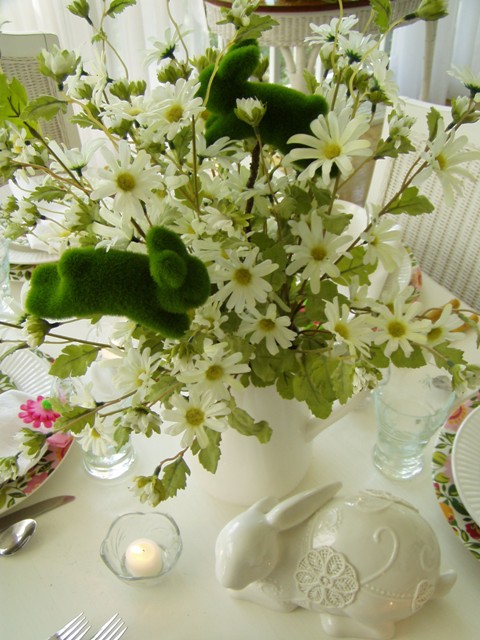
x,y
142,548
410,406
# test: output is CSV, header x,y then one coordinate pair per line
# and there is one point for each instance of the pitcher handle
x,y
315,425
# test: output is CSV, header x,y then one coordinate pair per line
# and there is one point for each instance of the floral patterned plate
x,y
448,498
27,372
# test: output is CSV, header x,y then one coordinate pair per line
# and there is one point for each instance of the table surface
x,y
60,573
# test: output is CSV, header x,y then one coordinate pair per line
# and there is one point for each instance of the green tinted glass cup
x,y
410,406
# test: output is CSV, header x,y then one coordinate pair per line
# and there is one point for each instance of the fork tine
x,y
113,629
77,632
73,630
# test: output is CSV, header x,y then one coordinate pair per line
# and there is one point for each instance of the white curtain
x,y
457,42
131,32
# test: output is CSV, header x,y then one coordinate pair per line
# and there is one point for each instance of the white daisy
x,y
215,370
267,326
317,252
172,107
193,414
383,244
445,327
444,156
353,331
467,77
384,78
98,438
134,371
354,46
335,139
129,181
241,281
398,328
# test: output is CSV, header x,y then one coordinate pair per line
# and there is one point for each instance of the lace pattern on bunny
x,y
326,578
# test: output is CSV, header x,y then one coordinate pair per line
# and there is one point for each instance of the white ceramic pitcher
x,y
249,470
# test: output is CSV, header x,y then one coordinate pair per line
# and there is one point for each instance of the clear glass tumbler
x,y
111,465
410,406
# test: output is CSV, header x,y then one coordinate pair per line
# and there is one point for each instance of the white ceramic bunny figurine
x,y
363,562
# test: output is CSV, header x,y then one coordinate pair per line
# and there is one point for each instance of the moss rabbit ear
x,y
168,269
240,62
167,257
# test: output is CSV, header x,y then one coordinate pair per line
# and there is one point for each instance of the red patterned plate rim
x,y
446,492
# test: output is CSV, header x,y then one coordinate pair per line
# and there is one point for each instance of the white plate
x,y
29,374
466,463
23,254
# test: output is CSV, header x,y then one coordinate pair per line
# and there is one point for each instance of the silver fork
x,y
76,629
113,629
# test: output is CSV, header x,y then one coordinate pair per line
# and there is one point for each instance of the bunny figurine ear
x,y
300,507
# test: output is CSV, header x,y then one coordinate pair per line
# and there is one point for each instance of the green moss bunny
x,y
156,290
288,111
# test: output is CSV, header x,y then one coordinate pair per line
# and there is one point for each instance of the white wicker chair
x,y
294,19
18,58
446,242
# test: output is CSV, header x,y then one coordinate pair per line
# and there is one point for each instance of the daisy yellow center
x,y
266,325
435,334
243,276
318,253
342,330
195,417
175,113
214,372
125,181
442,163
396,329
332,150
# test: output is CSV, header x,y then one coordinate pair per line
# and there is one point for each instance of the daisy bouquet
x,y
291,301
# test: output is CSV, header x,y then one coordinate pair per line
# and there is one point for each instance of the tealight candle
x,y
143,558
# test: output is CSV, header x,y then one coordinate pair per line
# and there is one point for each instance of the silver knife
x,y
33,510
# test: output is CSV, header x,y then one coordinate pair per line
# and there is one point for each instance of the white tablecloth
x,y
60,573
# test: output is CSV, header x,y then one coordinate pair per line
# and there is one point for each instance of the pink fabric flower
x,y
38,412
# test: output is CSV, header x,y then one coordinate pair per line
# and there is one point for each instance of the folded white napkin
x,y
10,425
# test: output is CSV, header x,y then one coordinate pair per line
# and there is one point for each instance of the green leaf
x,y
439,458
411,202
383,13
448,354
390,148
33,441
44,107
433,118
355,266
210,455
73,419
441,478
413,361
257,25
85,122
6,384
47,193
242,422
117,6
174,477
74,360
13,99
